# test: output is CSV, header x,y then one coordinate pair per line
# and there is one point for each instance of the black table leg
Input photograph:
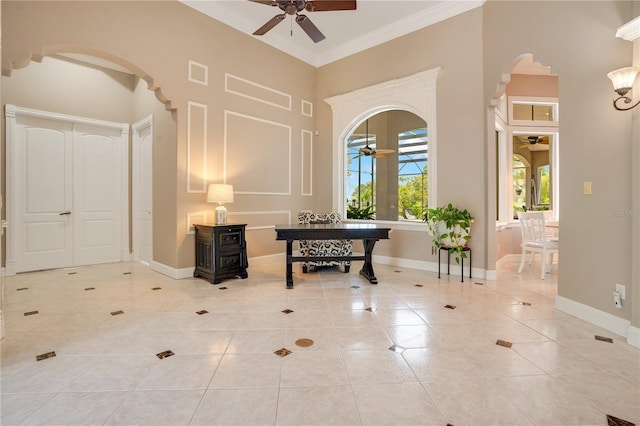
x,y
289,264
367,268
439,251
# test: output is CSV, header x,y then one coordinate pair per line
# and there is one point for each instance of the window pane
x,y
386,176
532,112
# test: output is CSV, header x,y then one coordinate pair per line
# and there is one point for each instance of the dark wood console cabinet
x,y
221,252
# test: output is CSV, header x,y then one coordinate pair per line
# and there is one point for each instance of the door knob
x,y
65,213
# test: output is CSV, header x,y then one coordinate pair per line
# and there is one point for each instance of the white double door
x,y
69,191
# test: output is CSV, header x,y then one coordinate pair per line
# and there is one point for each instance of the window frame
x,y
416,94
506,131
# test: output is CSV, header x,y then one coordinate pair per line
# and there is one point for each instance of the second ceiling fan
x,y
294,7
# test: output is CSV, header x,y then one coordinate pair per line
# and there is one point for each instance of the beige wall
x,y
160,58
474,51
455,46
591,265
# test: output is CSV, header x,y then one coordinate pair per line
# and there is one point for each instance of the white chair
x,y
535,240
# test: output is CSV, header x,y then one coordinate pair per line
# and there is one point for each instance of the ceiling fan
x,y
367,151
293,7
528,141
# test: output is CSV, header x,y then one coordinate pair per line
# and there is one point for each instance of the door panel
x,y
42,193
96,189
143,190
67,190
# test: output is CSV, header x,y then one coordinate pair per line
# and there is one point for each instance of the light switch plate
x,y
587,187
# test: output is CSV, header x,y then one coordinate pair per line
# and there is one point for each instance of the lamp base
x,y
221,214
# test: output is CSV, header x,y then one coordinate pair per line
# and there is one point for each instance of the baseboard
x,y
260,260
423,265
171,272
633,336
614,324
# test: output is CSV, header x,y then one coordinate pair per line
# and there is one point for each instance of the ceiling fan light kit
x,y
294,7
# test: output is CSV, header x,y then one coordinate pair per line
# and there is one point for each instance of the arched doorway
x,y
98,88
524,117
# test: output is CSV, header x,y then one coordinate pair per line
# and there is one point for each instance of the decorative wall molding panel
x,y
261,219
196,147
257,92
254,151
198,73
307,163
307,108
195,219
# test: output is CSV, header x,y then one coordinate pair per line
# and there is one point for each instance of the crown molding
x,y
629,31
427,17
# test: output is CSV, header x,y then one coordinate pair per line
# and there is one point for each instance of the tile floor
x,y
386,354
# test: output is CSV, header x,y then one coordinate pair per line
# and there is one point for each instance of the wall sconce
x,y
622,80
220,193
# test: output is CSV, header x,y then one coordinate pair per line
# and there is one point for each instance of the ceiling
x,y
347,32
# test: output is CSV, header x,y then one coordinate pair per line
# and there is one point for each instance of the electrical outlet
x,y
616,300
620,289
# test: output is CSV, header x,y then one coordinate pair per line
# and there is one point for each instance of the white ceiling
x,y
347,32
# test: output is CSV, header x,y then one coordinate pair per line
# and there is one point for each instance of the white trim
x,y
421,265
267,259
176,274
309,141
190,228
203,154
225,143
308,111
194,64
633,336
287,96
136,185
415,93
533,100
629,31
265,212
12,111
595,316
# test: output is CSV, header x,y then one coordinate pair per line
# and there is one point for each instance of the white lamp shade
x,y
623,78
220,193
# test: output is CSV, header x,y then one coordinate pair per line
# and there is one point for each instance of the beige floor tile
x,y
157,408
554,403
373,367
240,371
608,392
396,404
446,367
83,408
181,372
475,402
318,405
313,368
229,407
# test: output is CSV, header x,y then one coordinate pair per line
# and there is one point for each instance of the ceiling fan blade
x,y
267,2
383,151
270,24
309,28
329,5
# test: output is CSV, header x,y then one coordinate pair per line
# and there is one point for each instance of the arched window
x,y
414,98
387,173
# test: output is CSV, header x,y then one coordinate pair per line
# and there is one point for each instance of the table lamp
x,y
220,193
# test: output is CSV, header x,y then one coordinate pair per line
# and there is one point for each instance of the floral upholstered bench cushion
x,y
323,247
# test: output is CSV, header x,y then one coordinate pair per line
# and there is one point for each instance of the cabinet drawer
x,y
229,237
230,261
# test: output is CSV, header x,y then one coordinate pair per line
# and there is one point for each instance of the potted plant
x,y
450,228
